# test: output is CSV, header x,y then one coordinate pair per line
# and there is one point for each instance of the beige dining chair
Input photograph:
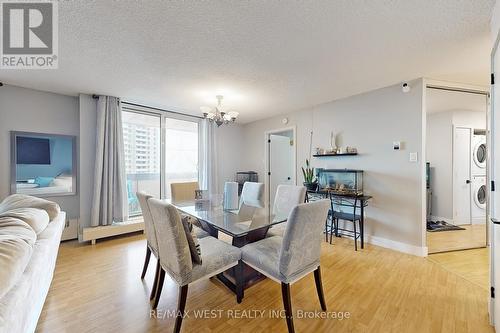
x,y
183,191
289,258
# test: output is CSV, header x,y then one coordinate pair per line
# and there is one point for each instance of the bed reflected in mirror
x,y
43,165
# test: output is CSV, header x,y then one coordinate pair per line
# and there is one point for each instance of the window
x,y
181,152
143,171
144,153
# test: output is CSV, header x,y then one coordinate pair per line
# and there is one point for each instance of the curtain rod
x,y
155,108
470,91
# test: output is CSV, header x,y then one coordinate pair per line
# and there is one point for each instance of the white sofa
x,y
22,303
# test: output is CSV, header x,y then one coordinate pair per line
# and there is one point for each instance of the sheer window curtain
x,y
208,159
109,202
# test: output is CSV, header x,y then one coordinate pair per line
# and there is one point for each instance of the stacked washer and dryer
x,y
478,173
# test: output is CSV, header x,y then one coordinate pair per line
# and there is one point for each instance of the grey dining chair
x,y
289,258
175,256
152,244
252,194
286,198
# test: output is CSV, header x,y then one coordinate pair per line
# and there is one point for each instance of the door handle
x,y
467,181
495,221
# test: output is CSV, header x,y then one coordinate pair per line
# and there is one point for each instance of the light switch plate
x,y
413,157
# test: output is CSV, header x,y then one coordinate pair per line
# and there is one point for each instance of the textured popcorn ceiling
x,y
266,57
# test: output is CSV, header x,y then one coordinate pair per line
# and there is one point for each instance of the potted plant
x,y
310,181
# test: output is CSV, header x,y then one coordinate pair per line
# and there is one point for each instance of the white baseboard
x,y
397,246
94,233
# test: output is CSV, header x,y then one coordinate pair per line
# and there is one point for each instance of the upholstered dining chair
x,y
286,198
289,258
252,194
175,256
152,244
183,191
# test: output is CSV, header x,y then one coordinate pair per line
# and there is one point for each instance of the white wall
x,y
440,154
231,154
439,147
30,110
370,122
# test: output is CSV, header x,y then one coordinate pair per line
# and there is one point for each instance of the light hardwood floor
x,y
98,289
472,265
473,236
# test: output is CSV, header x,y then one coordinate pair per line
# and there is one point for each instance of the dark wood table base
x,y
250,275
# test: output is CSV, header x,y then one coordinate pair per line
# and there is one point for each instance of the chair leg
x,y
155,283
146,262
319,288
240,281
362,231
161,278
332,228
287,302
326,230
181,305
355,239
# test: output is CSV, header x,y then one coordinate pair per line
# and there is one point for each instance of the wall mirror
x,y
43,165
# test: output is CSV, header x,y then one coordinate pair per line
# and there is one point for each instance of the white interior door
x,y
494,197
280,163
461,175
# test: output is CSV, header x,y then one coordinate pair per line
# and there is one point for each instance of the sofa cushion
x,y
20,308
17,239
37,219
26,201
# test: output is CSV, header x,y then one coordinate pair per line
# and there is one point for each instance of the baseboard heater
x,y
92,234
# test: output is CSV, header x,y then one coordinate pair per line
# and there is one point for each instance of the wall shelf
x,y
333,155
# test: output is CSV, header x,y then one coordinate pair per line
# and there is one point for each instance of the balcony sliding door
x,y
160,149
142,140
181,152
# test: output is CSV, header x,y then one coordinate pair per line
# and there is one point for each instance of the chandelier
x,y
217,114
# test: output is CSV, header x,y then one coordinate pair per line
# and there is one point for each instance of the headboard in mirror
x,y
42,165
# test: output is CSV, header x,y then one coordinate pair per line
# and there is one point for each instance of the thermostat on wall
x,y
396,145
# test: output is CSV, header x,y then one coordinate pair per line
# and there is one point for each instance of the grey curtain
x,y
109,202
208,158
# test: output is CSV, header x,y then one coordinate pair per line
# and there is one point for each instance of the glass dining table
x,y
246,225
